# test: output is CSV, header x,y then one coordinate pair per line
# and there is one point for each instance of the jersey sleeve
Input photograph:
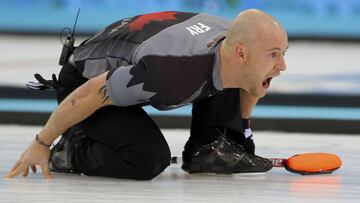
x,y
121,92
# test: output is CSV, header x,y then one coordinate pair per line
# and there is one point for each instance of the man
x,y
166,60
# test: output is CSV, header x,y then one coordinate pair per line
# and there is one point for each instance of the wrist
x,y
42,142
247,128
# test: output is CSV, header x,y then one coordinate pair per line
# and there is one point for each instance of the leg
x,y
217,112
69,80
123,143
211,147
119,142
228,110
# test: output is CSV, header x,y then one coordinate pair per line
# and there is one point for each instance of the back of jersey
x,y
115,45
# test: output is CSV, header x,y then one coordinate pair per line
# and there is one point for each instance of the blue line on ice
x,y
261,111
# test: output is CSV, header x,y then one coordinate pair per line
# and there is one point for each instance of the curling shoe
x,y
61,155
222,157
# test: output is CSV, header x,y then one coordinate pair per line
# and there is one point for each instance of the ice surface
x,y
312,67
174,185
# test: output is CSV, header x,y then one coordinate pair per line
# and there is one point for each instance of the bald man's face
x,y
265,60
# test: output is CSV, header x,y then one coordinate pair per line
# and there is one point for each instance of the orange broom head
x,y
313,163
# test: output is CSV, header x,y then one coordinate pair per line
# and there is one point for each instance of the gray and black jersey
x,y
167,59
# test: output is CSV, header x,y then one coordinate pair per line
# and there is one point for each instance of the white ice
x,y
312,67
175,185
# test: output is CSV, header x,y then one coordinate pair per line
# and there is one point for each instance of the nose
x,y
282,64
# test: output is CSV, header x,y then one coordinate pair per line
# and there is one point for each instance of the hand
x,y
249,145
35,154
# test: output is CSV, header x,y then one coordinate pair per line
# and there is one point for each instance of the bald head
x,y
249,25
253,52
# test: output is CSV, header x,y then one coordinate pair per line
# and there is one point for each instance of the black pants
x,y
124,142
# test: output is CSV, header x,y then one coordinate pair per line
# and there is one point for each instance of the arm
x,y
79,105
247,103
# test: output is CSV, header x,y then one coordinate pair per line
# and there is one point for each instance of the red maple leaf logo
x,y
139,23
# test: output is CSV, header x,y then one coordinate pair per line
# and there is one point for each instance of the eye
x,y
273,54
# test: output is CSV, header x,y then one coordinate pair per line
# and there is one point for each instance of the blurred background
x,y
319,92
301,18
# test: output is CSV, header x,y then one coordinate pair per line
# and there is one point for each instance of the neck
x,y
228,78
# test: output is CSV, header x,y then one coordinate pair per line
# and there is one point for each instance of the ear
x,y
240,52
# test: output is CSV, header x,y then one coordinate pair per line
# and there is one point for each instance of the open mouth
x,y
266,82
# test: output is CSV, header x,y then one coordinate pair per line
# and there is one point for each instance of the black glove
x,y
249,145
43,84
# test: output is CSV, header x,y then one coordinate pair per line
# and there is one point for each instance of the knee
x,y
152,170
152,167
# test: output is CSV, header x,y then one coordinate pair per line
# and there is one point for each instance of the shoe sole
x,y
211,169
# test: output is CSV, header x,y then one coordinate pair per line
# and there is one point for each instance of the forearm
x,y
247,103
76,107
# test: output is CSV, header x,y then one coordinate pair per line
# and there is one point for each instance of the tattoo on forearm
x,y
73,102
103,93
